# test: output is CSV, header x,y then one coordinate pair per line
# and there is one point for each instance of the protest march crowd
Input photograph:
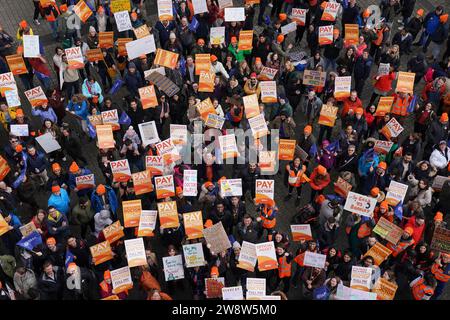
x,y
100,196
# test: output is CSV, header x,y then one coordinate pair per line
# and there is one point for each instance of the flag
x,y
116,86
125,119
69,257
92,132
334,146
412,105
369,154
30,241
194,24
398,210
313,150
266,19
183,66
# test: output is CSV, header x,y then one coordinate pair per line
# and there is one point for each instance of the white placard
x,y
316,260
48,142
20,130
288,28
173,268
149,133
190,183
140,46
31,46
231,187
199,6
12,98
217,35
234,14
232,293
193,255
357,203
123,21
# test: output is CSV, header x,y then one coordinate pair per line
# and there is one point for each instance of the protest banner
x,y
379,253
75,58
135,252
164,186
36,97
141,32
441,240
120,170
165,10
328,115
82,10
342,87
396,193
288,28
147,223
247,256
202,63
330,12
392,129
27,229
163,83
439,181
16,64
121,280
217,35
214,287
251,106
315,260
19,130
4,168
113,232
342,187
190,183
149,133
193,224
122,46
206,81
94,55
234,14
258,125
214,121
155,165
148,97
216,238
351,34
4,226
111,117
141,46
267,161
405,82
142,182
314,78
286,149
120,5
232,293
231,187
267,74
384,106
168,214
7,82
360,204
173,268
204,108
48,142
105,138
106,39
30,46
385,289
387,230
299,15
166,58
267,258
264,191
85,182
123,21
168,151
361,278
325,35
245,40
193,255
256,288
301,232
228,147
382,146
268,91
383,69
132,210
101,252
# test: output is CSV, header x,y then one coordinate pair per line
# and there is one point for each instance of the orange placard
x,y
286,149
379,253
245,40
166,58
301,232
141,31
325,35
82,10
75,58
131,213
342,187
16,64
193,224
251,106
142,182
101,252
264,191
351,34
206,82
105,136
4,168
94,55
106,39
384,289
148,97
113,232
202,63
330,12
36,97
121,46
384,106
328,115
168,214
165,186
405,82
204,108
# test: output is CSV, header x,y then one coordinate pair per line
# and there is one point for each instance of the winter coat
x,y
61,202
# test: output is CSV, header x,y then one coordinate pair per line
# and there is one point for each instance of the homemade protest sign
x,y
214,287
383,70
439,181
214,121
106,39
7,83
85,182
193,255
245,40
142,182
168,151
206,81
385,289
330,12
74,58
121,46
396,193
36,96
299,15
48,142
111,117
288,28
166,58
168,214
12,98
228,147
361,278
314,78
267,161
204,108
31,46
148,132
301,232
217,35
144,45
267,74
178,134
251,105
202,63
264,191
247,256
20,130
360,204
234,14
155,165
164,186
258,126
120,5
173,267
123,21
4,168
268,91
342,187
225,3
351,34
382,146
392,129
27,229
82,10
199,6
286,149
342,87
135,251
325,35
94,55
379,253
120,170
232,293
328,115
141,32
387,230
313,259
132,210
193,224
121,279
105,138
231,187
101,252
190,183
256,287
267,258
216,238
441,240
147,223
405,82
165,10
113,232
16,64
163,83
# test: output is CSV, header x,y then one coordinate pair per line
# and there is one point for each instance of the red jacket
x,y
384,83
418,230
317,182
350,105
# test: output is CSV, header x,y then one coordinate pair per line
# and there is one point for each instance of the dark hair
x,y
46,264
247,216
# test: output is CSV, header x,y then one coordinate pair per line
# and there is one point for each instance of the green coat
x,y
239,55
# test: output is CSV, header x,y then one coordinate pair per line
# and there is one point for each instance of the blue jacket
x,y
38,161
60,202
133,82
15,221
98,203
95,89
45,114
80,110
364,166
431,22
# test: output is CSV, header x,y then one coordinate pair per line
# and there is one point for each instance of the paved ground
x,y
13,11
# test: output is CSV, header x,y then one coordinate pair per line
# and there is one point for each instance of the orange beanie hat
x,y
56,189
280,38
74,167
101,189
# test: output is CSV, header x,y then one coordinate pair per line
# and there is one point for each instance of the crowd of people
x,y
40,191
